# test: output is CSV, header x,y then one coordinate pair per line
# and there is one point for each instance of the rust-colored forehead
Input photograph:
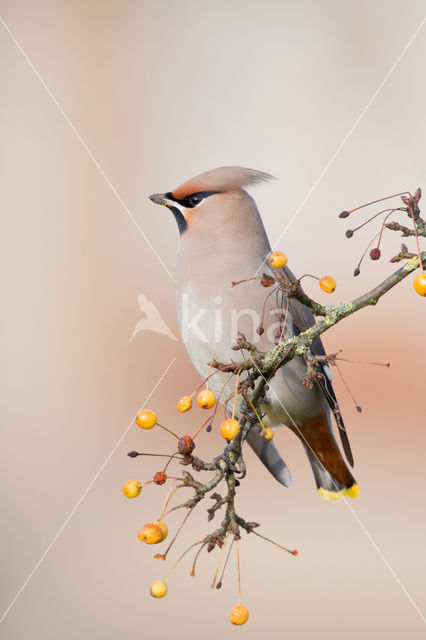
x,y
221,179
187,189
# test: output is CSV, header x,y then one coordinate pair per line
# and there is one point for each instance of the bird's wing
x,y
303,318
268,453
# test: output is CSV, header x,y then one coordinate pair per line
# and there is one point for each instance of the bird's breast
x,y
210,315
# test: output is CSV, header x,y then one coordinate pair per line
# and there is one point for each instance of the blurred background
x,y
159,92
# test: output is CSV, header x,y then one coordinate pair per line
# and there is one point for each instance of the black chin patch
x,y
180,219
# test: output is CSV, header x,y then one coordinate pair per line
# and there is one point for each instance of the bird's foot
x,y
249,414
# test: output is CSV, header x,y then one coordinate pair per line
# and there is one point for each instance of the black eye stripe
x,y
193,200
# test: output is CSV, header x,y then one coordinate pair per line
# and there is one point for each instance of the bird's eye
x,y
195,199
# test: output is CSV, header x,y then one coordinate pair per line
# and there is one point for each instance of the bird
x,y
222,240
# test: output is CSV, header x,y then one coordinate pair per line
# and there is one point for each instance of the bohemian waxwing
x,y
222,239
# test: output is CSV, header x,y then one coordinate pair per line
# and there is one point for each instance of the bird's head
x,y
216,198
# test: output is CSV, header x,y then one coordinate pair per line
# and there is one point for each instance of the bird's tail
x,y
331,473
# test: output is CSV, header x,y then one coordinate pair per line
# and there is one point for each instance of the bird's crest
x,y
221,179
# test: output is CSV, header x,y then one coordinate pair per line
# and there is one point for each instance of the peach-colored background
x,y
160,91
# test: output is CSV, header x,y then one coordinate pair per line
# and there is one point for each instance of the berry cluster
x,y
156,531
412,210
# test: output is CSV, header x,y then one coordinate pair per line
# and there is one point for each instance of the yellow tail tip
x,y
352,492
333,496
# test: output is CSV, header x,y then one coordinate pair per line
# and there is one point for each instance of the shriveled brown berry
x,y
375,253
160,477
267,281
186,445
344,214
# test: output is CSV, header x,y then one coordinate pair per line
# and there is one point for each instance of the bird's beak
x,y
161,198
167,200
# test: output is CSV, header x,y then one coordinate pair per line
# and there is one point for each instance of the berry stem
x,y
177,533
195,560
180,558
368,246
205,381
168,462
219,584
170,493
222,551
395,195
293,553
256,414
239,573
383,226
168,430
234,284
202,427
358,408
155,455
379,364
375,216
308,275
218,407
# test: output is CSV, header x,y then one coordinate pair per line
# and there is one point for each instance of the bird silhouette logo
x,y
152,321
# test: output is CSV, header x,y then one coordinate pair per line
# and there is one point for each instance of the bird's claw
x,y
248,413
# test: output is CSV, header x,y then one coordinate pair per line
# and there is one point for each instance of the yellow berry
x,y
164,529
268,434
327,284
229,429
419,283
239,614
146,419
152,533
184,404
132,489
277,260
206,399
158,589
